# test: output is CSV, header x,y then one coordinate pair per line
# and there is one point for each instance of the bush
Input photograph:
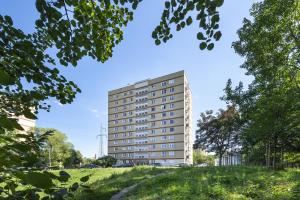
x,y
106,161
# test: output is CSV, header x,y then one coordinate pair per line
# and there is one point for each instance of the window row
x,y
163,91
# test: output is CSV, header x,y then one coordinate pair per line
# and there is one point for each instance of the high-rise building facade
x,y
150,121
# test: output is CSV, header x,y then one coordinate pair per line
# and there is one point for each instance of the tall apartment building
x,y
150,121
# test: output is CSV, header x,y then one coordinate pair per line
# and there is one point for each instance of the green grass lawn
x,y
221,183
107,182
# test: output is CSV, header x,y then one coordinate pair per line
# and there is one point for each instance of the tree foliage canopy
x,y
218,133
270,106
74,29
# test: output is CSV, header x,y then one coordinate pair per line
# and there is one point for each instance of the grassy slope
x,y
107,182
221,183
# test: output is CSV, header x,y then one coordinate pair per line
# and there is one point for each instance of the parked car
x,y
124,165
89,166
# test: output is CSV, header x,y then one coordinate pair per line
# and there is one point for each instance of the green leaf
x,y
5,78
203,45
74,187
200,36
210,46
8,20
189,20
173,2
167,4
215,18
28,114
85,178
39,180
64,176
217,35
157,42
219,3
10,123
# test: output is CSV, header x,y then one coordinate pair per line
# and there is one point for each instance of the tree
x,y
106,161
270,106
57,150
218,133
20,164
78,28
74,160
199,157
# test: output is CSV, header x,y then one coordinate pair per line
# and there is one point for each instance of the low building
x,y
230,159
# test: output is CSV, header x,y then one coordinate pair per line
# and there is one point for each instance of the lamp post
x,y
101,146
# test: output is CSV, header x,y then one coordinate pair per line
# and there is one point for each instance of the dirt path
x,y
123,192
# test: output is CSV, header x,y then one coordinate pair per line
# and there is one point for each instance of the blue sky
x,y
137,58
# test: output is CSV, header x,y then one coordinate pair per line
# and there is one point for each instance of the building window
x,y
153,146
153,94
123,134
116,96
172,105
130,113
152,116
163,154
129,141
153,101
171,153
116,115
163,114
116,109
116,102
115,135
172,129
163,107
163,84
164,137
153,131
116,142
163,122
163,130
124,114
172,98
152,124
164,91
172,137
171,145
116,128
172,121
172,90
125,93
171,113
172,81
164,99
153,109
130,120
163,146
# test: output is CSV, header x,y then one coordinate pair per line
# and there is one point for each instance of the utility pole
x,y
101,145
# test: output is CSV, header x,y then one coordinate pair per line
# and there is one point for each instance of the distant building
x,y
26,123
150,121
230,159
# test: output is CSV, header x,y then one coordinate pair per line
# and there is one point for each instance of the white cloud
x,y
98,113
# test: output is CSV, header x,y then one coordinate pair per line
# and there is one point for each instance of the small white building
x,y
230,159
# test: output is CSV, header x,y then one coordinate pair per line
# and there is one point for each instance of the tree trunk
x,y
220,159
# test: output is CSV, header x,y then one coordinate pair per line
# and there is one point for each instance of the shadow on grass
x,y
105,188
